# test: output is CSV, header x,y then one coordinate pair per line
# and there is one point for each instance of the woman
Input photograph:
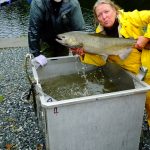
x,y
116,23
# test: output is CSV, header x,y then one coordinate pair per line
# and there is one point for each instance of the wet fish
x,y
97,43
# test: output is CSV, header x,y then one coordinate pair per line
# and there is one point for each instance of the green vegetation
x,y
1,98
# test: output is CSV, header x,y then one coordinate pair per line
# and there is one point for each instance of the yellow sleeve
x,y
92,59
145,17
145,59
98,29
141,20
132,63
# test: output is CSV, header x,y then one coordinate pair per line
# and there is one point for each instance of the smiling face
x,y
106,15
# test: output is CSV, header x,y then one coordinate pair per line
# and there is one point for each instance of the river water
x,y
127,5
14,23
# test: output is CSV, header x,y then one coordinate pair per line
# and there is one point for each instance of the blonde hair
x,y
111,3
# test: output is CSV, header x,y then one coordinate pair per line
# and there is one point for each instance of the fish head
x,y
68,40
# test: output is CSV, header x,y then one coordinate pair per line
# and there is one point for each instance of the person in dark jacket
x,y
49,18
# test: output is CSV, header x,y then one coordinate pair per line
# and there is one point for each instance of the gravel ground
x,y
18,123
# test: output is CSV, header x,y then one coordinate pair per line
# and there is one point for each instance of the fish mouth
x,y
66,42
60,40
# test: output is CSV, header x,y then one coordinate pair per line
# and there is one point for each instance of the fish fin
x,y
104,57
125,53
97,34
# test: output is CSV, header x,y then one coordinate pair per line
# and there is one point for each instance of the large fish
x,y
97,43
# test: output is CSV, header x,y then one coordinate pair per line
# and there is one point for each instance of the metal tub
x,y
109,121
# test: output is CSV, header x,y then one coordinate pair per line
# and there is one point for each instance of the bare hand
x,y
79,51
141,42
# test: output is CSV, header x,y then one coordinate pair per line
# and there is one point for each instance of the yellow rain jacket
x,y
131,25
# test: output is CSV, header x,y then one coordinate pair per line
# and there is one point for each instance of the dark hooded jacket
x,y
47,20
